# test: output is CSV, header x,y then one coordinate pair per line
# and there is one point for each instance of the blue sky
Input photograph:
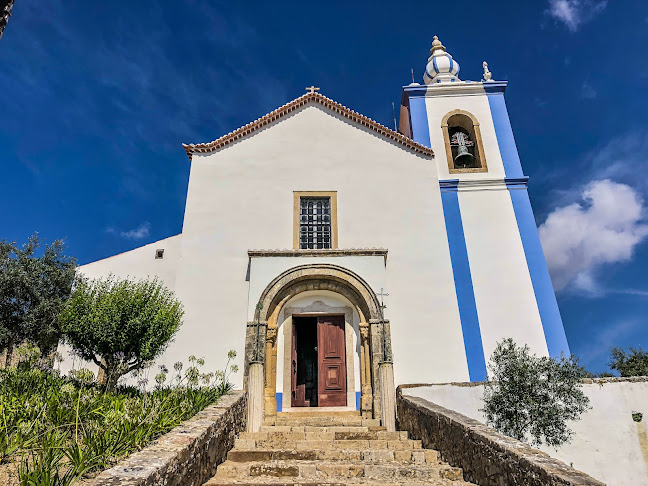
x,y
97,98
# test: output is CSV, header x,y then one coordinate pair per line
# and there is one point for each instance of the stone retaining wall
x,y
487,457
189,454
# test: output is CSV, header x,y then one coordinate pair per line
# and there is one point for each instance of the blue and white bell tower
x,y
501,277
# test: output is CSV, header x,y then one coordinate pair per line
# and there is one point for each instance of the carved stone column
x,y
254,376
386,373
255,397
375,357
270,400
366,394
252,353
388,396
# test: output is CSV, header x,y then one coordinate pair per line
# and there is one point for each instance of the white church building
x,y
341,258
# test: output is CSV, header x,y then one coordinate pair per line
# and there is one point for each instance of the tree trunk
x,y
9,355
111,381
111,376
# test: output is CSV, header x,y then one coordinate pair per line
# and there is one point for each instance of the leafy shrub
x,y
629,363
531,398
32,290
120,325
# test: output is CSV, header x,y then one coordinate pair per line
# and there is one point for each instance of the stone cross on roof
x,y
312,89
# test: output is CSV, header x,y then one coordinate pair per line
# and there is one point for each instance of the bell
x,y
464,158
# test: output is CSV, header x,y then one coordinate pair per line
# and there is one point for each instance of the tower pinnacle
x,y
441,67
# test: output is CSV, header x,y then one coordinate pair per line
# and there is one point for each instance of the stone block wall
x,y
487,457
189,454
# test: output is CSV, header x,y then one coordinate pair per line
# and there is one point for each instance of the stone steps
x,y
371,456
334,470
324,482
327,421
343,449
368,433
274,442
323,419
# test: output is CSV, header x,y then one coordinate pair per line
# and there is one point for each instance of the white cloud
x,y
573,13
603,228
630,291
142,231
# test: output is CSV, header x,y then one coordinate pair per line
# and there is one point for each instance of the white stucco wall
x,y
140,262
607,444
504,295
241,198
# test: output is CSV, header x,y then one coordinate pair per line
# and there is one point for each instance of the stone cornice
x,y
206,148
320,253
448,185
461,88
586,381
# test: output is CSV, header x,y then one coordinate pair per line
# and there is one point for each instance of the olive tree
x,y
35,281
633,362
532,398
120,324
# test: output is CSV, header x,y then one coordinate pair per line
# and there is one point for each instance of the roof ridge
x,y
283,110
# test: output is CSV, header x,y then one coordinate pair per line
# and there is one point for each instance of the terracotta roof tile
x,y
205,148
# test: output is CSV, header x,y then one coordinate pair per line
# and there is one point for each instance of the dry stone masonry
x,y
189,454
486,456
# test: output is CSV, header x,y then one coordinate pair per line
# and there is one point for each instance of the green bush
x,y
60,429
532,398
35,282
120,325
633,362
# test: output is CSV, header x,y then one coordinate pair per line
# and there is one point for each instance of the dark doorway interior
x,y
304,362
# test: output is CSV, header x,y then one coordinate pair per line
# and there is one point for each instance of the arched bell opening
x,y
463,142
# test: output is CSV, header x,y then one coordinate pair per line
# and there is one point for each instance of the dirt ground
x,y
9,474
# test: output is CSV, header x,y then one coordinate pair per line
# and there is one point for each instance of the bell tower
x,y
502,282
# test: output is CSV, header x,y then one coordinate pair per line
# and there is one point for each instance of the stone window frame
x,y
478,143
332,195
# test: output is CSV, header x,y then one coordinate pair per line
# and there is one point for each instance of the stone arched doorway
x,y
376,373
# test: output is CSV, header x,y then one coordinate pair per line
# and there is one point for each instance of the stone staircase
x,y
310,448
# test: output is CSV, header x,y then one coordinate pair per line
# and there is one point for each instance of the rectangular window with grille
x,y
315,223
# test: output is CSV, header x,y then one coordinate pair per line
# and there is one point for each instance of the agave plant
x,y
60,429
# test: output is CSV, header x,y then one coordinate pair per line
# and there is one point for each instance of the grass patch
x,y
61,429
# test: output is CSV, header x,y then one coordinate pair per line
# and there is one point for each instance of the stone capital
x,y
271,335
364,331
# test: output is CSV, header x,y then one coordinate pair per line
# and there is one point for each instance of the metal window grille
x,y
315,223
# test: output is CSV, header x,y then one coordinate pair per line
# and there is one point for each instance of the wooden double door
x,y
318,362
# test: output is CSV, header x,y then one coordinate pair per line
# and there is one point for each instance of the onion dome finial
x,y
441,67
